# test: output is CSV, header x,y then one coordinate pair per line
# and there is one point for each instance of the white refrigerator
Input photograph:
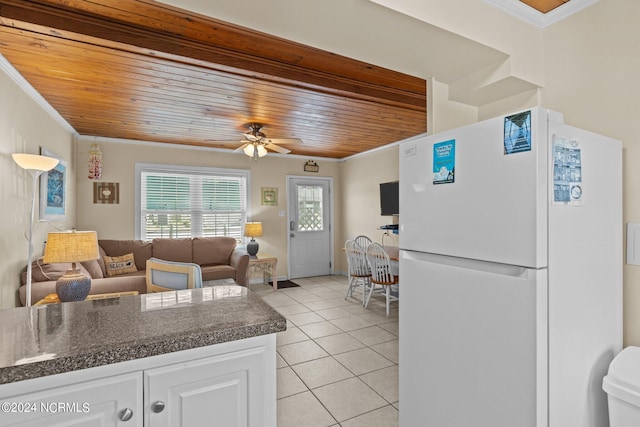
x,y
510,233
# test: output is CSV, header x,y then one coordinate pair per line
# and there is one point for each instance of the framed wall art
x,y
269,196
106,193
53,190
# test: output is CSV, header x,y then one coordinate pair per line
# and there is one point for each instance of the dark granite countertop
x,y
58,338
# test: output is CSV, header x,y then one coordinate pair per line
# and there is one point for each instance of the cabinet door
x,y
99,403
225,390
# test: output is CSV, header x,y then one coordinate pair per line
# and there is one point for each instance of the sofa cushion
x,y
94,269
101,261
118,284
178,250
133,274
141,250
43,272
216,272
118,265
213,250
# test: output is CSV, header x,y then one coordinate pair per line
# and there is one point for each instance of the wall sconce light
x,y
95,162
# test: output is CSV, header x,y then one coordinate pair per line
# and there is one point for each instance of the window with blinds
x,y
180,202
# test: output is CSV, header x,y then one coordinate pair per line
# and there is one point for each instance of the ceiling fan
x,y
256,143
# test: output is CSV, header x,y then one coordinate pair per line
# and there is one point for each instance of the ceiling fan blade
x,y
286,141
215,141
273,147
251,137
237,150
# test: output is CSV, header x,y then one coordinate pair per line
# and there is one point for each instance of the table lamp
x,y
36,165
73,247
253,229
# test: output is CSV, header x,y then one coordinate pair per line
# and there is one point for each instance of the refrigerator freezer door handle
x,y
469,264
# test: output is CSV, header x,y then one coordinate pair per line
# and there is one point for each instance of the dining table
x,y
393,252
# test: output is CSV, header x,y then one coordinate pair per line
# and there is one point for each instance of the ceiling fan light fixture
x,y
255,150
256,144
249,149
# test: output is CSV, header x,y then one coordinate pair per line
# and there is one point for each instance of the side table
x,y
267,264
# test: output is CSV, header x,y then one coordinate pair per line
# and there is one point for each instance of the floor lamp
x,y
35,165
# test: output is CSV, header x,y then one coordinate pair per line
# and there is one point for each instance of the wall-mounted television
x,y
389,198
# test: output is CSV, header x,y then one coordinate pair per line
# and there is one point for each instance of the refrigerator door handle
x,y
469,264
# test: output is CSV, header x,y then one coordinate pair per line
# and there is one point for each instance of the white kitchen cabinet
x,y
220,388
100,403
228,384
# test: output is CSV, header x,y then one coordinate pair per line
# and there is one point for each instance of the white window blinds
x,y
191,202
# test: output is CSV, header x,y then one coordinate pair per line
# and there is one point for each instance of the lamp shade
x,y
73,246
34,162
253,229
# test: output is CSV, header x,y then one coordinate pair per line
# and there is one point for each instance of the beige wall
x,y
360,183
25,128
356,207
119,159
483,23
592,64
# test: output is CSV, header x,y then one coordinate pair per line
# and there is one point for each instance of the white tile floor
x,y
337,361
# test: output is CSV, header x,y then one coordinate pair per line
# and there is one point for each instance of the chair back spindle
x,y
359,271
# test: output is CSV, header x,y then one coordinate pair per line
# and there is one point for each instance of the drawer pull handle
x,y
125,415
157,407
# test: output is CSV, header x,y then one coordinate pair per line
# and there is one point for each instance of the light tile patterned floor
x,y
337,361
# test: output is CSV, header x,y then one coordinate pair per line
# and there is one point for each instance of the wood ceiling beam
x,y
155,29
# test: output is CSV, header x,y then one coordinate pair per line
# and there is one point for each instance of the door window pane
x,y
310,208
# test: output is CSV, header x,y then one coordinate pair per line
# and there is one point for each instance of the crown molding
x,y
539,19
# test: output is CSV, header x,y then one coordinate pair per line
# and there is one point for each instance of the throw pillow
x,y
116,265
93,267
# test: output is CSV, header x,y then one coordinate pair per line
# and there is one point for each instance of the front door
x,y
309,226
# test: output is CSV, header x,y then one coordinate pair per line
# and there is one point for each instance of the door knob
x,y
292,235
126,414
157,407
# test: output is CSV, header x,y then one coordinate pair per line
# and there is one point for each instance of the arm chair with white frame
x,y
381,273
172,276
359,272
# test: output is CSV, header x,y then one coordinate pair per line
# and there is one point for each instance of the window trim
x,y
167,168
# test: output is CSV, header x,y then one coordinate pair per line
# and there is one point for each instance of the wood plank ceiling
x,y
146,71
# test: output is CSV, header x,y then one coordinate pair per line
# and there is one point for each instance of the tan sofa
x,y
217,257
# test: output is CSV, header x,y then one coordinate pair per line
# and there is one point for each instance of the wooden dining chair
x,y
363,241
382,277
359,272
